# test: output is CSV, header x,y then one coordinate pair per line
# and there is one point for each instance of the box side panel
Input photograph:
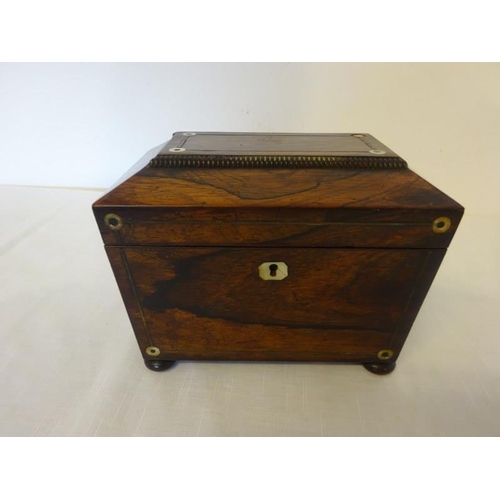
x,y
128,290
422,285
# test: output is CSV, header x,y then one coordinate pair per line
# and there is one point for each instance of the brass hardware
x,y
376,152
385,354
273,271
152,351
441,225
113,221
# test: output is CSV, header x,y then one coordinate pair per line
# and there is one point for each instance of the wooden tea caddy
x,y
274,247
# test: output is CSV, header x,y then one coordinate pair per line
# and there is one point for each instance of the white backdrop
x,y
84,125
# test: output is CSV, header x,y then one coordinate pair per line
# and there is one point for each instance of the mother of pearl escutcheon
x,y
273,271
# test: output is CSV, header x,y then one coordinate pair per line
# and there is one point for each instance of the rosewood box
x,y
283,247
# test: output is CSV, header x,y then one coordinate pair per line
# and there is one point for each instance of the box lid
x,y
205,188
243,150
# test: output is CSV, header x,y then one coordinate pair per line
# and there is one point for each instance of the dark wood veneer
x,y
185,244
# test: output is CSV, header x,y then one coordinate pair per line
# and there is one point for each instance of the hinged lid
x,y
236,189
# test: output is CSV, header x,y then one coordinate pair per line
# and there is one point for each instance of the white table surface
x,y
70,365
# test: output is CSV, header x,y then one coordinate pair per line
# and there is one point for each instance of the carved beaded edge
x,y
238,161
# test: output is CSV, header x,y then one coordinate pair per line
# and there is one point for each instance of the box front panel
x,y
274,303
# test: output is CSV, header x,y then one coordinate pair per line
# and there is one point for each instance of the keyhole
x,y
272,269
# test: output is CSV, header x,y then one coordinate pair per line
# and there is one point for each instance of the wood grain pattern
x,y
210,302
278,188
277,208
359,243
358,229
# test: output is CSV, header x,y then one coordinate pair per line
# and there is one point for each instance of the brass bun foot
x,y
380,368
158,365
